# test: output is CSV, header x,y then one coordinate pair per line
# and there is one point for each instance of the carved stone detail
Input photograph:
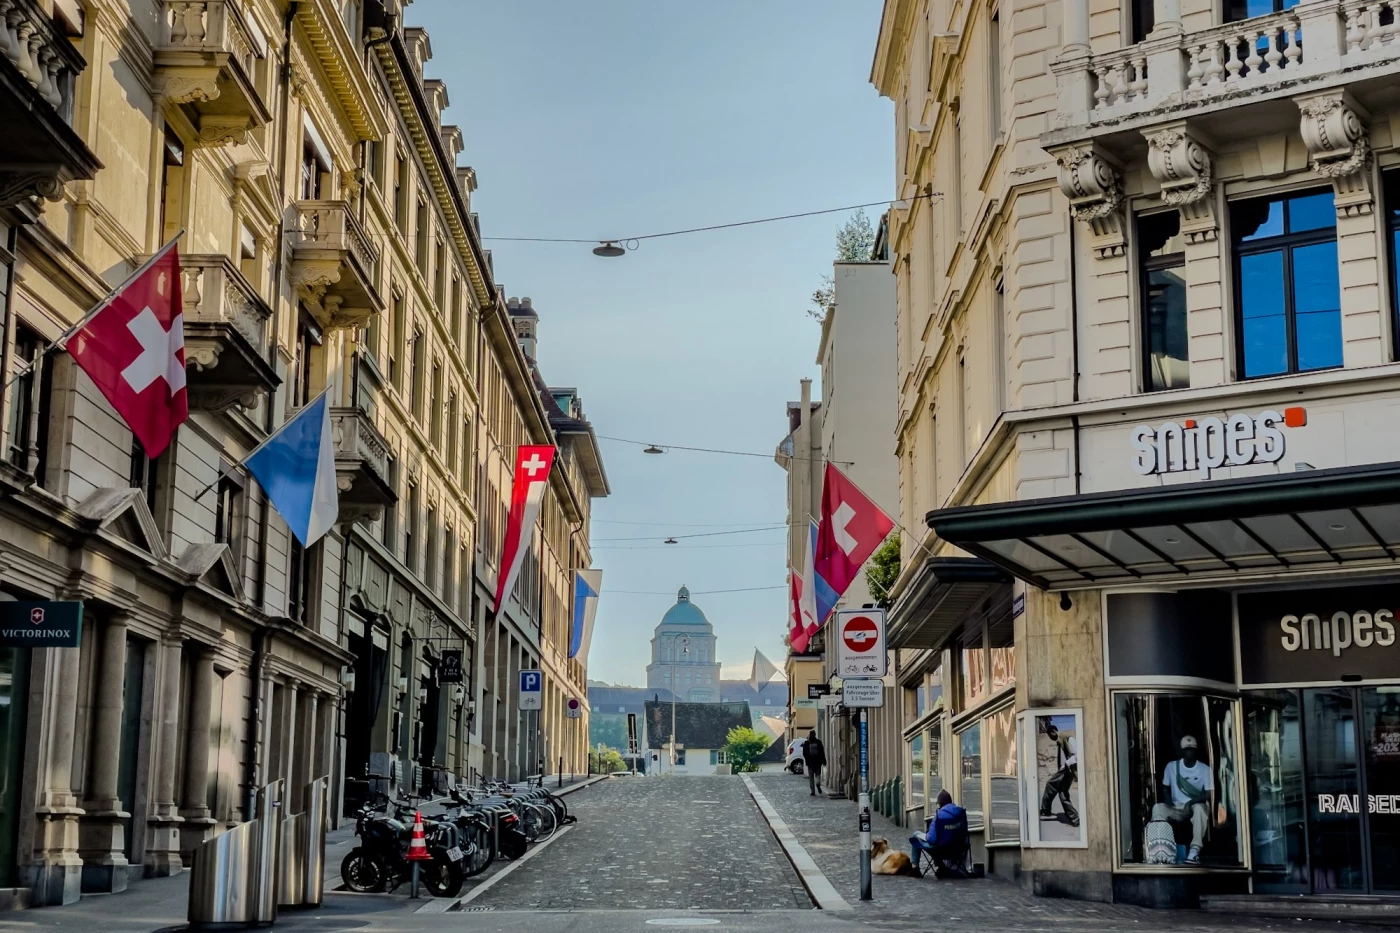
x,y
311,278
20,184
187,88
1186,171
223,131
1094,187
1335,133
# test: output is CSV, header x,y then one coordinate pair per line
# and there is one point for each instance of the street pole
x,y
865,893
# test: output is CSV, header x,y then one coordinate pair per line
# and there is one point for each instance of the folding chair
x,y
945,863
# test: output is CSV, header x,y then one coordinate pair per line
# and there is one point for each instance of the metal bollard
x,y
265,853
221,880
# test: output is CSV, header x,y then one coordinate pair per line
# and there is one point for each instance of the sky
x,y
619,118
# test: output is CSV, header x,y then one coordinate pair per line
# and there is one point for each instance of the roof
x,y
775,753
944,591
698,725
1312,519
684,612
608,699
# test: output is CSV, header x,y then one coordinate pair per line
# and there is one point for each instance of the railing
x,y
210,26
215,291
1246,56
356,438
46,58
332,225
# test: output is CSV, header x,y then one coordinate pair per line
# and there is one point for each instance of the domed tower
x,y
683,659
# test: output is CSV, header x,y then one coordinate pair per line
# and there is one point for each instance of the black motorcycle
x,y
379,863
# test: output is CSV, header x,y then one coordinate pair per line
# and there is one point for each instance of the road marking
x,y
683,921
489,883
822,892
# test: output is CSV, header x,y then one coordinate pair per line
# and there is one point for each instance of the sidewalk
x,y
827,830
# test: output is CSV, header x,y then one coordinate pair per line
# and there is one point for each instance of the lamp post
x,y
684,641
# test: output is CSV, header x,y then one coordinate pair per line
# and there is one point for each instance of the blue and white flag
x,y
296,468
587,583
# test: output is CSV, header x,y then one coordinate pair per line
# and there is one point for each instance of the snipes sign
x,y
1333,635
1205,444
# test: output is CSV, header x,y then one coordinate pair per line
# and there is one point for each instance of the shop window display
x,y
1178,780
1004,806
970,748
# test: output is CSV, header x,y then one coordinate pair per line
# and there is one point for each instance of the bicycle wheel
x,y
548,822
483,848
530,823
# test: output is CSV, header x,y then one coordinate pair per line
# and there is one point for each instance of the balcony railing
x,y
1277,50
361,466
217,293
214,26
206,58
333,265
226,335
46,58
332,225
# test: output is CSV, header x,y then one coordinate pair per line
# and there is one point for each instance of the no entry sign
x,y
861,645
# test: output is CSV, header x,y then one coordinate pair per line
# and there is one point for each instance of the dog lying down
x,y
886,861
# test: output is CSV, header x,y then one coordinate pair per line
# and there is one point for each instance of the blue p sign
x,y
531,687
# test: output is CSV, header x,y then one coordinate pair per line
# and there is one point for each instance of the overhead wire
x,y
703,534
716,450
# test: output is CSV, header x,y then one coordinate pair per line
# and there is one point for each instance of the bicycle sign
x,y
860,647
531,689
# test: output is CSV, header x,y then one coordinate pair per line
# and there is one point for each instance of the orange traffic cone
x,y
417,845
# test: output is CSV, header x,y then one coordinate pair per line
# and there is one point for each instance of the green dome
x,y
684,612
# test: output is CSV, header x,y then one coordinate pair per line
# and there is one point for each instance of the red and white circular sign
x,y
860,633
574,703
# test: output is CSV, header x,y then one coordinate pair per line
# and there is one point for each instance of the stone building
x,y
1147,328
683,653
327,244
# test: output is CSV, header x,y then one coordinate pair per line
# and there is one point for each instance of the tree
x,y
883,570
606,760
744,745
854,243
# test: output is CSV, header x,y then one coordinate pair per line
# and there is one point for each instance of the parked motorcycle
x,y
379,862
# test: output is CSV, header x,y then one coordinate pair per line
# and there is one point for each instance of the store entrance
x,y
1324,789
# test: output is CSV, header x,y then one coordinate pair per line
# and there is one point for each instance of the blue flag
x,y
296,468
587,583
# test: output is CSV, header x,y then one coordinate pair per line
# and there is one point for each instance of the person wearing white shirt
x,y
1189,783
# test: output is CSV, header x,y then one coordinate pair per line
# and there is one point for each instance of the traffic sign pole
x,y
865,886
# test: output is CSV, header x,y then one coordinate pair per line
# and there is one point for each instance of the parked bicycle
x,y
379,863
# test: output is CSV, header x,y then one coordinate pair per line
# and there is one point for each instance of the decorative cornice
x,y
1333,128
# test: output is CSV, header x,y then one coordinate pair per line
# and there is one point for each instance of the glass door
x,y
1335,821
14,686
1380,708
1277,804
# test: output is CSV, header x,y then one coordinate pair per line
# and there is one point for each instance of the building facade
x,y
683,653
690,738
1146,642
297,151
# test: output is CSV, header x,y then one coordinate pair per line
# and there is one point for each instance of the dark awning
x,y
945,590
1312,519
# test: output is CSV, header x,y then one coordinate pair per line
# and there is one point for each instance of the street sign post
x,y
531,689
864,827
573,709
862,694
860,643
40,624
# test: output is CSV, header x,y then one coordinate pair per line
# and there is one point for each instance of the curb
x,y
564,792
819,889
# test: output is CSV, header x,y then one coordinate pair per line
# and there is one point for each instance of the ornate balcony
x,y
37,67
206,60
226,324
332,260
1228,79
361,466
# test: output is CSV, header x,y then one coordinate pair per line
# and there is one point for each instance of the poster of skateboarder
x,y
1053,791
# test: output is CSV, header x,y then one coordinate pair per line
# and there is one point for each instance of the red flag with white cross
x,y
133,349
532,465
852,527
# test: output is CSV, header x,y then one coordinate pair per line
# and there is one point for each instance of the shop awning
x,y
1306,520
939,598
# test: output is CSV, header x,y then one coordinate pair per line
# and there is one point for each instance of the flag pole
x,y
61,341
265,441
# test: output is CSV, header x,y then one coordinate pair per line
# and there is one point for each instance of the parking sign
x,y
531,689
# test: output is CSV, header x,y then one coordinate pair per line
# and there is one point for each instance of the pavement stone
x,y
659,842
827,830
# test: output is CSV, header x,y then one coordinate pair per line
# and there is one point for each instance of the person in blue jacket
x,y
945,839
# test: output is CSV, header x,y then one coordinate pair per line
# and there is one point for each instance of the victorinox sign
x,y
1204,444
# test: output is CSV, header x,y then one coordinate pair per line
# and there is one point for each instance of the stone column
x,y
102,832
58,867
163,852
1074,76
195,797
303,753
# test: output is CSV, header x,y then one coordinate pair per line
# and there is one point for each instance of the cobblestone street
x,y
644,843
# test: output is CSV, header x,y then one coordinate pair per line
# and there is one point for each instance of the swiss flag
x,y
133,348
852,527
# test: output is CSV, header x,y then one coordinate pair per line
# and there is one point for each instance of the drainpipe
x,y
1074,345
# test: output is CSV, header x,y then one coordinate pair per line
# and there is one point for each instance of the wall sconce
x,y
402,686
422,694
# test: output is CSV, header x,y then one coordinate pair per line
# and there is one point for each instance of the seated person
x,y
946,839
1189,783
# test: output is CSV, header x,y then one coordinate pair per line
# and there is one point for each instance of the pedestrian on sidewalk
x,y
814,758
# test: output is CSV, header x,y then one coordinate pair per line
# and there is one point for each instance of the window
x,y
1390,182
410,553
396,344
401,194
299,584
144,473
1162,266
434,408
916,797
1236,10
680,756
315,167
450,452
308,341
1287,293
1177,770
30,398
422,236
430,568
439,275
1004,817
415,381
970,750
973,660
172,192
229,511
388,526
1143,18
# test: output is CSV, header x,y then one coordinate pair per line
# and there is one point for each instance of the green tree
x,y
854,243
606,760
883,570
744,745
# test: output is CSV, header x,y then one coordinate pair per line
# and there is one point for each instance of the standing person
x,y
1067,764
814,759
1189,783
